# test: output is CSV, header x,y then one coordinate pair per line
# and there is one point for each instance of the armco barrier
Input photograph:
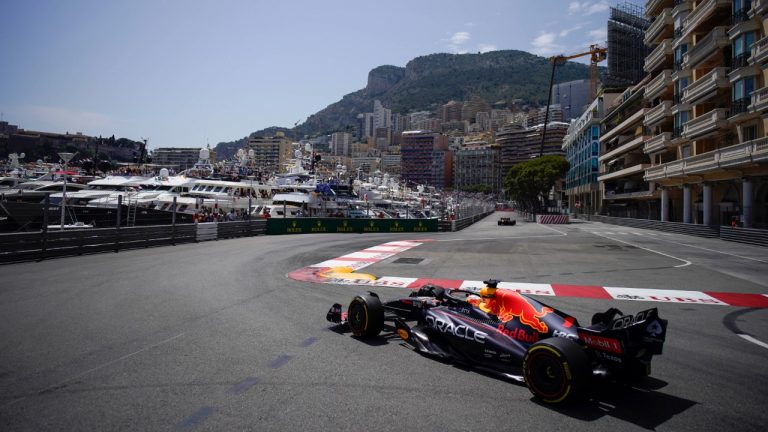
x,y
757,237
675,227
40,245
348,226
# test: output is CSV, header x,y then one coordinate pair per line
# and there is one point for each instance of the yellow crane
x,y
597,54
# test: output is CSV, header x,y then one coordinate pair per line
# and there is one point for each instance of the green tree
x,y
528,183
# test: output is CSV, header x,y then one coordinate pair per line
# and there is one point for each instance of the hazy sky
x,y
183,73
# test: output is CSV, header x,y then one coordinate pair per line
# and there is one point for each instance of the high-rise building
x,y
707,112
422,155
382,117
270,153
365,125
582,150
179,158
471,107
622,159
383,138
518,144
572,96
341,143
626,48
451,111
477,165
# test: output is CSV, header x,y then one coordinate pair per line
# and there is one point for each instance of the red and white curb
x,y
326,272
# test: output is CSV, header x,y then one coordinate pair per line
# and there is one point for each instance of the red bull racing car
x,y
507,333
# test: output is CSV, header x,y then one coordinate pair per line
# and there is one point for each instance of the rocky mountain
x,y
425,83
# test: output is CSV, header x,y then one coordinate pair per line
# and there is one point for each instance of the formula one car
x,y
506,221
507,333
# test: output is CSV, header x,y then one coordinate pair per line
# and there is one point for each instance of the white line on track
x,y
713,250
687,263
753,340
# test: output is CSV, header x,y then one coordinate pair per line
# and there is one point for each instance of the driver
x,y
486,301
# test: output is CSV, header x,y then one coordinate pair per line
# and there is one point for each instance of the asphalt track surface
x,y
213,336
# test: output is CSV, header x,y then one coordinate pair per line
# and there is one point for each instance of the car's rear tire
x,y
365,316
557,370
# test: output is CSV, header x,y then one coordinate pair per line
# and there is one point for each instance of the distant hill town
x,y
509,79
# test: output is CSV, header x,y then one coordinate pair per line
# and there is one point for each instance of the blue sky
x,y
184,73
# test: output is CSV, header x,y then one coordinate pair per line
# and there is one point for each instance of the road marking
x,y
686,262
753,340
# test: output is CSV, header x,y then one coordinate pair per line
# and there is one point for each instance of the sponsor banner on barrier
x,y
659,295
336,226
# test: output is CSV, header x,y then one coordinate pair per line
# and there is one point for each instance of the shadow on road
x,y
641,404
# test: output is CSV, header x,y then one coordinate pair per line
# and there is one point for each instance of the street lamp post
x,y
66,157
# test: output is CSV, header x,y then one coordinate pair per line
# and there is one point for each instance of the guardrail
x,y
40,245
460,224
36,246
710,231
753,236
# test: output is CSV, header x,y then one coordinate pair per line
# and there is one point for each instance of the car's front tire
x,y
365,316
556,370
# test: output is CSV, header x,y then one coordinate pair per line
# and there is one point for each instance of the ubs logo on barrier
x,y
318,228
294,228
345,227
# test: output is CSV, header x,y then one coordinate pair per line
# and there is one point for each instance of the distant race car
x,y
507,221
507,333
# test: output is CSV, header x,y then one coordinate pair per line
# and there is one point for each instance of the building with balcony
x,y
179,158
477,165
518,144
582,149
270,154
707,139
623,159
422,154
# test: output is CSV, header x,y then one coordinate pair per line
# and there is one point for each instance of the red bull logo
x,y
508,304
519,334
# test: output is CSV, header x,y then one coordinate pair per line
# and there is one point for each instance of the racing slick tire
x,y
556,370
365,316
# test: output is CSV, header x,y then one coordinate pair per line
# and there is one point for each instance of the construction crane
x,y
597,54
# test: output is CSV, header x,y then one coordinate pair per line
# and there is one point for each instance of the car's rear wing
x,y
619,340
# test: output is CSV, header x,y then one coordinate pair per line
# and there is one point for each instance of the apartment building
x,y
180,158
270,154
582,150
425,158
622,160
477,165
518,144
707,111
